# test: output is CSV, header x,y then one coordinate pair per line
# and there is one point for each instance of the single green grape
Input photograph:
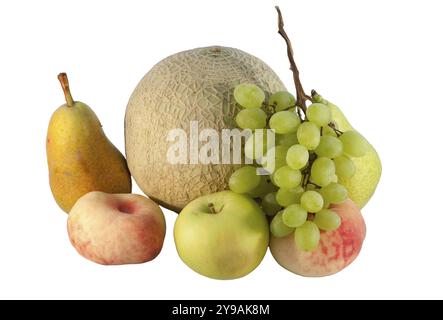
x,y
251,119
256,145
354,144
344,167
329,146
308,134
278,227
284,122
297,156
334,193
322,171
244,180
275,158
312,201
319,114
249,95
265,187
287,178
270,205
294,215
286,139
270,186
307,236
286,197
261,189
327,220
281,100
318,98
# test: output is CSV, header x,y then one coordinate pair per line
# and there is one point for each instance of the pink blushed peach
x,y
113,229
337,249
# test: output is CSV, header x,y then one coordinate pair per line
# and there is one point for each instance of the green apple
x,y
222,235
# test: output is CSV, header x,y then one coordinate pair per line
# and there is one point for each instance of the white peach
x,y
337,249
114,229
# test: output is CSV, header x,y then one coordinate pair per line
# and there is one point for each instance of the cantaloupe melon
x,y
194,85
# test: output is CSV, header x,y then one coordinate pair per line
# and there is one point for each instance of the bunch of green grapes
x,y
310,158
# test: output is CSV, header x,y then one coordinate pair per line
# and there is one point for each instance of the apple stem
x,y
63,78
212,208
302,97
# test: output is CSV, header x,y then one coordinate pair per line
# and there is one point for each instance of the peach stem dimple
x,y
126,207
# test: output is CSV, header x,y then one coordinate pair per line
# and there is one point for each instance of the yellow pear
x,y
80,157
362,185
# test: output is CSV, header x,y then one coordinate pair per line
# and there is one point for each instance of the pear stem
x,y
212,208
63,78
302,97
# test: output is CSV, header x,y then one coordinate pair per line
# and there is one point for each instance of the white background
x,y
380,61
